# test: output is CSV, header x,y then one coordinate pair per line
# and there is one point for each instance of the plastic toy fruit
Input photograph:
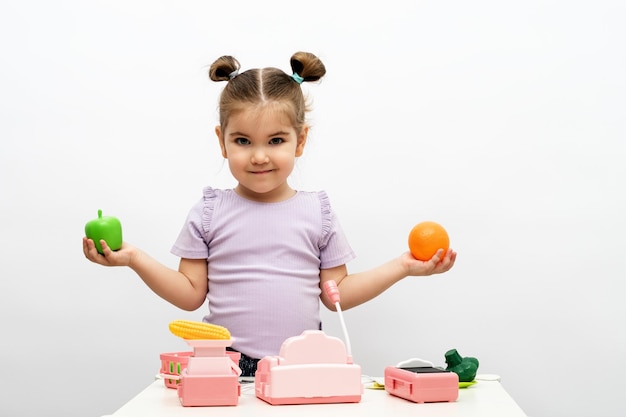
x,y
107,228
465,368
426,239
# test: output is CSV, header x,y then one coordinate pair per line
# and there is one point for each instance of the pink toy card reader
x,y
312,368
422,384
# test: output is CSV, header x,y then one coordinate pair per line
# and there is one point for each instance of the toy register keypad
x,y
424,370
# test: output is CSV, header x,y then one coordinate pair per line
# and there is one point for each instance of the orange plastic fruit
x,y
426,238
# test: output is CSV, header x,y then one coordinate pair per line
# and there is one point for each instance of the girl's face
x,y
261,146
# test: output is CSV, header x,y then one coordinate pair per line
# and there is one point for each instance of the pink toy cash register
x,y
312,368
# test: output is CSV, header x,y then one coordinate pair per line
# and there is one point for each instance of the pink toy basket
x,y
172,364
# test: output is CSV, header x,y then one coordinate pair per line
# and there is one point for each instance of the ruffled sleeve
x,y
192,241
326,213
334,247
209,198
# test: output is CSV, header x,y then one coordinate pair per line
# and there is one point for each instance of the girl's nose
x,y
259,156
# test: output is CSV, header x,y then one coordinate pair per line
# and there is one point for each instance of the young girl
x,y
260,253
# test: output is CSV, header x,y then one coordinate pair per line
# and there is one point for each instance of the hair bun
x,y
223,68
308,66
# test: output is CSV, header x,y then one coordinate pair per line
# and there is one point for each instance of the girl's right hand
x,y
121,257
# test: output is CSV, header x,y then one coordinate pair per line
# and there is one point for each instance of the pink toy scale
x,y
173,363
312,368
425,386
211,376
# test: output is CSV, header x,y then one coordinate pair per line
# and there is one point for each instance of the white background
x,y
503,121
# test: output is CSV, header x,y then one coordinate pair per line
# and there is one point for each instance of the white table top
x,y
483,399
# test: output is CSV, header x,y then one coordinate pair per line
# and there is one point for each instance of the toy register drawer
x,y
422,385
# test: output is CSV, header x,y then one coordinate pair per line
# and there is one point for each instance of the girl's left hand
x,y
438,264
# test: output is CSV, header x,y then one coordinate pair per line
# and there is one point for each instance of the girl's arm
x,y
355,289
185,288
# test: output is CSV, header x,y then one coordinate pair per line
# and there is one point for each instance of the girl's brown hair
x,y
258,86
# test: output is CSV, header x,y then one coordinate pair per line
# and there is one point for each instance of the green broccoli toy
x,y
465,368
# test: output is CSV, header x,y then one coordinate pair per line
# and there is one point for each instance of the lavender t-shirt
x,y
264,261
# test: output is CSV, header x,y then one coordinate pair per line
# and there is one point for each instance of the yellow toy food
x,y
188,329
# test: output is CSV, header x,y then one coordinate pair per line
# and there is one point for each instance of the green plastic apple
x,y
107,228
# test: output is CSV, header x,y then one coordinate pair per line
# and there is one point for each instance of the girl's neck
x,y
274,196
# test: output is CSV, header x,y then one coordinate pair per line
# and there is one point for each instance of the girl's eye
x,y
276,141
242,141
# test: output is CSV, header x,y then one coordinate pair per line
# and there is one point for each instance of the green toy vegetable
x,y
107,228
465,368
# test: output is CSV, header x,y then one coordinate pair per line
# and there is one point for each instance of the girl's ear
x,y
218,132
304,133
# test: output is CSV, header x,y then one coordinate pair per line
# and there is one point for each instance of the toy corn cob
x,y
188,329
